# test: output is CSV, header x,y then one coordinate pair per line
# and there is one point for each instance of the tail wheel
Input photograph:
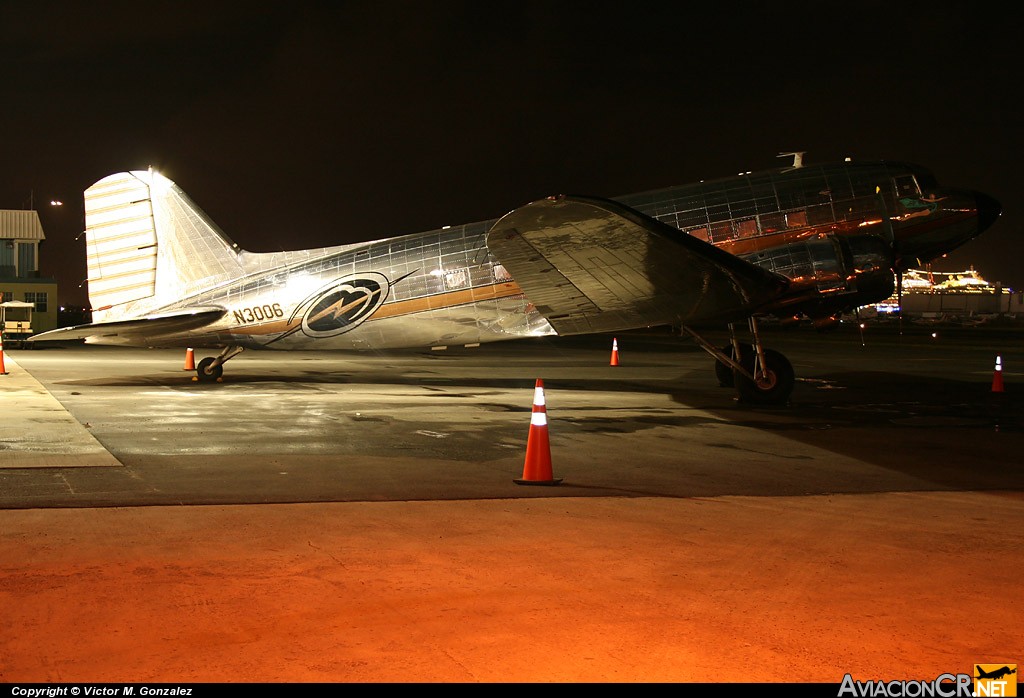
x,y
208,373
774,388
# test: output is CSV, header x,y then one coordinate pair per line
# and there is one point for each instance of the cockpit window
x,y
906,185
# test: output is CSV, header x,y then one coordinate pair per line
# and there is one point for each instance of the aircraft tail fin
x,y
148,246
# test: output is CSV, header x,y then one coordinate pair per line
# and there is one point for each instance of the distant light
x,y
159,183
445,227
935,335
54,202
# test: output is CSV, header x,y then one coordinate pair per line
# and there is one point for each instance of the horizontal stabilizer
x,y
153,326
594,265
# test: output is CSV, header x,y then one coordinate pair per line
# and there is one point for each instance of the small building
x,y
21,234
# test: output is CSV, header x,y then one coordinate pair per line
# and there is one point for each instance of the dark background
x,y
300,125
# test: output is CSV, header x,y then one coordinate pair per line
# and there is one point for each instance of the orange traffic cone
x,y
537,469
615,353
190,360
997,376
3,371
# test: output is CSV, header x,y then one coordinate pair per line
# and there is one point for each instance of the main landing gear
x,y
761,376
210,369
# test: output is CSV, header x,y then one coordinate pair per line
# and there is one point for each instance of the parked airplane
x,y
809,241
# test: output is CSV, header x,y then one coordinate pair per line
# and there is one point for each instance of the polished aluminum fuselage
x,y
834,232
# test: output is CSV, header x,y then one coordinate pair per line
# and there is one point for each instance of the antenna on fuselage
x,y
798,158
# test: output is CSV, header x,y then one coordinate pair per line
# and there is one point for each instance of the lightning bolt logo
x,y
343,305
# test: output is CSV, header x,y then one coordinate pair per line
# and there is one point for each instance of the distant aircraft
x,y
804,241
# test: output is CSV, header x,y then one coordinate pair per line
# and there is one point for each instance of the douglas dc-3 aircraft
x,y
803,241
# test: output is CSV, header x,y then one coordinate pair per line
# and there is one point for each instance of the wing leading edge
x,y
151,327
594,265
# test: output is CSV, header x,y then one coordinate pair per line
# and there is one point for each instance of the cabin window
x,y
691,218
456,278
796,219
746,229
865,182
820,215
721,231
770,222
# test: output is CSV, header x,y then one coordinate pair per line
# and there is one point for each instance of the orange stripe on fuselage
x,y
448,300
778,238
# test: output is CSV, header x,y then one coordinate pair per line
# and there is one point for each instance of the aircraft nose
x,y
989,210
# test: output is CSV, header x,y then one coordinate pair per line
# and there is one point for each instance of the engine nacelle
x,y
830,274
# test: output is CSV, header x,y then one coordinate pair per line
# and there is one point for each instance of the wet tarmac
x,y
895,413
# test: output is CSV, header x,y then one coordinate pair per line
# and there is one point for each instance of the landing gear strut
x,y
761,376
210,369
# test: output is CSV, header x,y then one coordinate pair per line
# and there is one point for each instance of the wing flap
x,y
151,327
594,265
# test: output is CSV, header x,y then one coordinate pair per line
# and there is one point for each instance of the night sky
x,y
300,125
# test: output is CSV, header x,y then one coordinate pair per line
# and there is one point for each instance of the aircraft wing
x,y
594,265
139,329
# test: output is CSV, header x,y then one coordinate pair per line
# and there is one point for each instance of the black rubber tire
x,y
207,374
778,386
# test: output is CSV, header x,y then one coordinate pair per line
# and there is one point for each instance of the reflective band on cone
x,y
615,353
997,376
190,360
537,468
